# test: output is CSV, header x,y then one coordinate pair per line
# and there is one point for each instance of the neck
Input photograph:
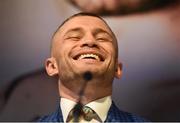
x,y
92,92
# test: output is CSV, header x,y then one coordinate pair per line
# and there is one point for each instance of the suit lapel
x,y
58,115
115,115
111,113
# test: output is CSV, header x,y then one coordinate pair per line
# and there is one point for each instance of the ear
x,y
118,72
51,66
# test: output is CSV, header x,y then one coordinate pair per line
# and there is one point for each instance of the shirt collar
x,y
66,106
100,106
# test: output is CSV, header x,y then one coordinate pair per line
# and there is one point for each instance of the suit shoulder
x,y
54,117
116,115
48,118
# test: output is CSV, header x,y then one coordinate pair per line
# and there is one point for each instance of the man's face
x,y
84,43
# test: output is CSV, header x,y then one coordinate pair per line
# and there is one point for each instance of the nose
x,y
89,41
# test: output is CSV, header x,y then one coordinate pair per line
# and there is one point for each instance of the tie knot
x,y
87,114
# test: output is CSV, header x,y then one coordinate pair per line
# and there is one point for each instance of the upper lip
x,y
76,55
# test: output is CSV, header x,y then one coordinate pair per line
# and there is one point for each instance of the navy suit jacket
x,y
114,115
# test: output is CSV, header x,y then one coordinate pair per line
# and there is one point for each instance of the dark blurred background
x,y
148,34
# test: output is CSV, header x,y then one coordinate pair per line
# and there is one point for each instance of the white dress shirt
x,y
100,106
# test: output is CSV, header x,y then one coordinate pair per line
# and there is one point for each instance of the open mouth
x,y
92,56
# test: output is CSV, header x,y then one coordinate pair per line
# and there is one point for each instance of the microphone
x,y
87,76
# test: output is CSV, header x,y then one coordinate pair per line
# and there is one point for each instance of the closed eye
x,y
102,39
73,38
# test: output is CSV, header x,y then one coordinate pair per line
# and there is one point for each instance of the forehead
x,y
86,22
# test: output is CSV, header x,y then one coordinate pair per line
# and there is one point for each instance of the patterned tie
x,y
87,114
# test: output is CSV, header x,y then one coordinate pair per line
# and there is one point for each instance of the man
x,y
84,43
122,7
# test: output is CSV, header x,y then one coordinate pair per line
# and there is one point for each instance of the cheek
x,y
62,49
110,49
63,53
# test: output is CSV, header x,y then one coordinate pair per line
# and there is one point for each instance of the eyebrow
x,y
78,29
95,31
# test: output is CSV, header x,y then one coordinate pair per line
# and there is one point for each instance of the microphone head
x,y
87,76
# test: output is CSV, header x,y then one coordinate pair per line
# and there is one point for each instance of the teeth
x,y
89,55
